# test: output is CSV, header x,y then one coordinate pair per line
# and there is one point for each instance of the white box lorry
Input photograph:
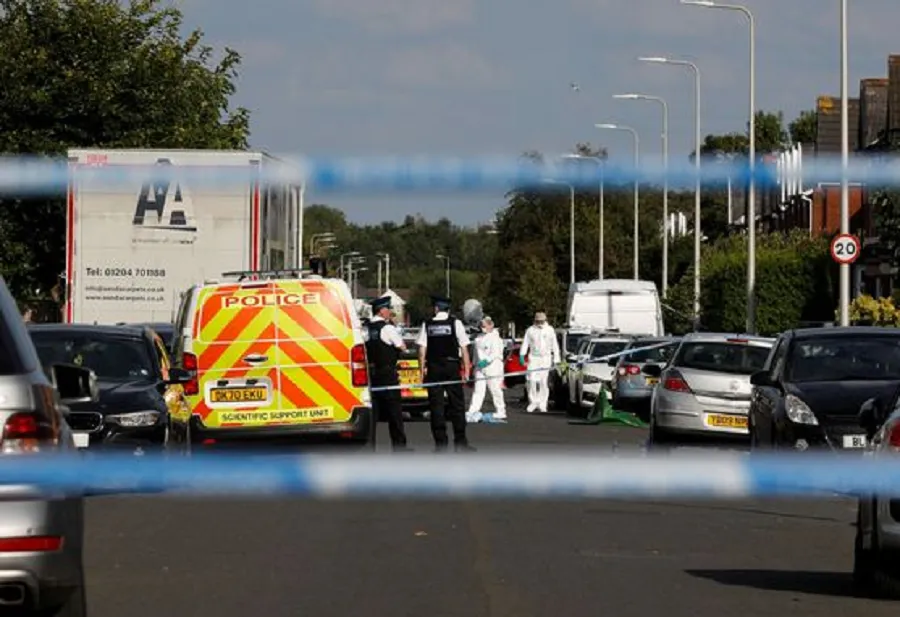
x,y
136,241
615,305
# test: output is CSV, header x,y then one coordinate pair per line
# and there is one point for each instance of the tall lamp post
x,y
637,162
571,226
386,257
751,197
697,146
665,157
600,165
845,164
343,268
446,259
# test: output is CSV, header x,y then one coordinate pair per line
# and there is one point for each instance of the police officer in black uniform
x,y
383,346
444,356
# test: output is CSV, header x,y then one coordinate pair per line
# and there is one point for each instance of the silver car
x,y
41,569
705,388
631,388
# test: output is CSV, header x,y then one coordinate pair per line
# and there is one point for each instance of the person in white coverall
x,y
541,350
488,372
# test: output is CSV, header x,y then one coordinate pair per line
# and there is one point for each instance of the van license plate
x,y
250,394
854,441
82,440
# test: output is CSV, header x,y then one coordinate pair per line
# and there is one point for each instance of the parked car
x,y
569,340
138,388
631,389
414,400
705,389
42,538
877,542
591,372
809,394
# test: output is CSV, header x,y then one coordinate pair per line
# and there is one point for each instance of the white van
x,y
616,305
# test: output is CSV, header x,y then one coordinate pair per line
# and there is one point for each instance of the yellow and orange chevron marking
x,y
304,331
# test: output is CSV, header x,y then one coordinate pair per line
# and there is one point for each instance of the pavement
x,y
180,557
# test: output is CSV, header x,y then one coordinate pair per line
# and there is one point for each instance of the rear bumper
x,y
47,578
359,427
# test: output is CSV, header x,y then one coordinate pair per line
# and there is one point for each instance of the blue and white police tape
x,y
436,384
41,175
530,475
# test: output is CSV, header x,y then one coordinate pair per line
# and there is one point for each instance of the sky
x,y
489,77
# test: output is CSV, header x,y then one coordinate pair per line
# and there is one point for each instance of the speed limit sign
x,y
845,248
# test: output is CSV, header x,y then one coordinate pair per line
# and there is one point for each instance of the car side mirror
x,y
760,378
870,416
652,370
75,384
179,376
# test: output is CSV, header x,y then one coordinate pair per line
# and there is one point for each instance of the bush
x,y
793,284
874,311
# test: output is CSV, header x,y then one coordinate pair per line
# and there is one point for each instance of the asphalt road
x,y
152,555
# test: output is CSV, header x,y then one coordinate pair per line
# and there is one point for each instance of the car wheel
x,y
874,572
75,605
658,438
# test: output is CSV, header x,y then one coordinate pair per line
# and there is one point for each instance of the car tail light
x,y
25,432
189,363
893,436
30,544
676,383
359,366
629,369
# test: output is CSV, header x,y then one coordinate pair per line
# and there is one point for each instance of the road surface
x,y
151,556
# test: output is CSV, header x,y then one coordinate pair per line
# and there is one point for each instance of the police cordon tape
x,y
435,384
478,475
38,175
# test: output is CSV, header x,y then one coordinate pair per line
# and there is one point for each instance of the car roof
x,y
841,331
133,331
721,337
611,339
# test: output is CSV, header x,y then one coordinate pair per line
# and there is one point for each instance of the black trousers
x,y
446,403
387,404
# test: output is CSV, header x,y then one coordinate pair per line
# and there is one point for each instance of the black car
x,y
815,380
130,366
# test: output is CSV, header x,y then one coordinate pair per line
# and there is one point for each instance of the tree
x,y
96,73
804,128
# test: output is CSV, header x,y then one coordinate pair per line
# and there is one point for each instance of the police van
x,y
273,356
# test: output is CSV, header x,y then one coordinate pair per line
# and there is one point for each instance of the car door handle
x,y
255,359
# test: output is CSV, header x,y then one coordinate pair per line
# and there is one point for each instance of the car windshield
x,y
601,350
656,354
111,357
845,359
573,341
722,357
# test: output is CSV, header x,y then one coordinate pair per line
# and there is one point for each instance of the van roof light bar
x,y
266,274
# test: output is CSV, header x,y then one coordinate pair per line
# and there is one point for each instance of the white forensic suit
x,y
488,364
541,349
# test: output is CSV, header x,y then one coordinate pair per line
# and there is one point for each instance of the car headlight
x,y
798,411
591,379
134,419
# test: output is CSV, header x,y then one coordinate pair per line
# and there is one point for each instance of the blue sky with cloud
x,y
468,77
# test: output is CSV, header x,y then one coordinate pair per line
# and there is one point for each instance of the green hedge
x,y
794,283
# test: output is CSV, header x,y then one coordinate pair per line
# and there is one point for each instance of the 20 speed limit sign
x,y
845,248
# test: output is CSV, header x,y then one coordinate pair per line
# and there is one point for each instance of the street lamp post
x,y
446,259
637,162
697,146
355,283
386,257
600,164
316,238
345,256
571,226
845,163
350,262
665,157
751,197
